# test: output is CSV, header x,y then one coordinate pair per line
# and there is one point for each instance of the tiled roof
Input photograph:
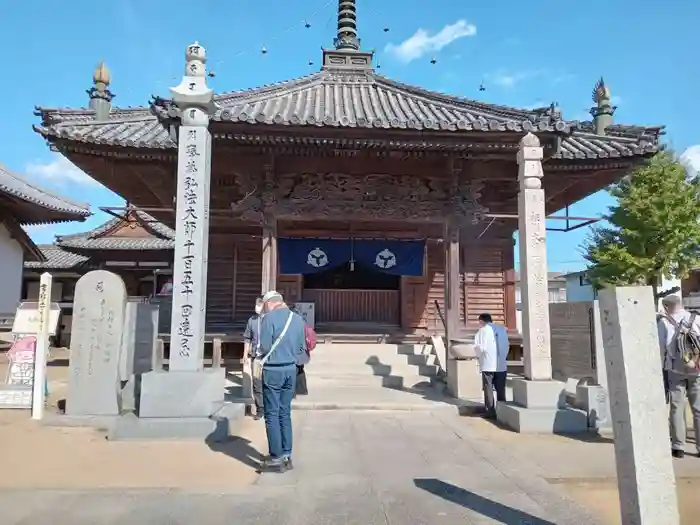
x,y
14,185
56,258
129,127
163,239
586,144
367,100
350,100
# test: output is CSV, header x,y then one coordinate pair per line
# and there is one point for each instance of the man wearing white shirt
x,y
491,345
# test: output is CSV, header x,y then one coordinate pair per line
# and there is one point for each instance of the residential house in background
x,y
557,293
578,287
24,204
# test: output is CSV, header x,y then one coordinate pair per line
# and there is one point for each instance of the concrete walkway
x,y
361,468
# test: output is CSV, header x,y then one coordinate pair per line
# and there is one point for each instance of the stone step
x,y
371,360
365,338
389,381
372,349
372,398
374,369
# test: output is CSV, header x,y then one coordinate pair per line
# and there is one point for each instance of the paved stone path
x,y
361,468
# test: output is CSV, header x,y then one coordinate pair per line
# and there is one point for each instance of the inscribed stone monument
x,y
645,476
189,298
96,337
539,403
533,260
139,339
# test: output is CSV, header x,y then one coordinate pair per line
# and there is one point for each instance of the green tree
x,y
653,230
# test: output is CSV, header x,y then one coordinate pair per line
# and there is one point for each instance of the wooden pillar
x,y
452,292
269,255
234,281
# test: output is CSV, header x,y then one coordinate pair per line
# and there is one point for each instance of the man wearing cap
x,y
282,341
251,338
678,382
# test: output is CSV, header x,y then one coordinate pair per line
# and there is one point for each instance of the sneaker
x,y
680,454
287,460
271,465
257,417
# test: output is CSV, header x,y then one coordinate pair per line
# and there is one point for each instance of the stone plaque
x,y
139,340
96,336
573,341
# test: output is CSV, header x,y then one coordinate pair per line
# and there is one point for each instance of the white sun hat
x,y
272,294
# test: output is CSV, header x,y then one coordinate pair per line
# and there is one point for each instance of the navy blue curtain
x,y
311,255
392,257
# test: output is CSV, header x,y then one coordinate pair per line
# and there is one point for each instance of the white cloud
x,y
690,158
508,80
422,42
59,171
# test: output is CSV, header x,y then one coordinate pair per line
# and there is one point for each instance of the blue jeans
x,y
278,384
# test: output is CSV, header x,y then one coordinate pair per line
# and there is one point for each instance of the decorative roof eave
x,y
49,207
162,237
54,258
117,244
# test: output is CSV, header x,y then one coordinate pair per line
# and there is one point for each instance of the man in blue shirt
x,y
282,342
251,337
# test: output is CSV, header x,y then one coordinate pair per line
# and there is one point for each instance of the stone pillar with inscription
x,y
539,403
194,99
533,261
187,401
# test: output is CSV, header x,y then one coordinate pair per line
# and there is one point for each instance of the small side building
x,y
135,246
25,204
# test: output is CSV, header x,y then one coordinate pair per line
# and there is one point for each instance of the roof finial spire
x,y
100,95
603,111
347,26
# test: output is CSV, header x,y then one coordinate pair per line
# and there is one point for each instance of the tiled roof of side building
x,y
56,259
163,237
16,186
341,100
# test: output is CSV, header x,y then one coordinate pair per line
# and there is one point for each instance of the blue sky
x,y
525,53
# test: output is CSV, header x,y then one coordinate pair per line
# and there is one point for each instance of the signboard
x,y
17,390
306,311
21,355
27,318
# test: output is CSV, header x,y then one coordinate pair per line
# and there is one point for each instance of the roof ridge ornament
x,y
347,53
100,95
603,111
347,26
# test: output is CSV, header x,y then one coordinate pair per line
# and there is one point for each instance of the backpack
x,y
687,343
310,336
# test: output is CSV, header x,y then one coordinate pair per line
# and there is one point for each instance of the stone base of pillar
x,y
540,407
179,405
214,429
182,394
464,379
594,400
